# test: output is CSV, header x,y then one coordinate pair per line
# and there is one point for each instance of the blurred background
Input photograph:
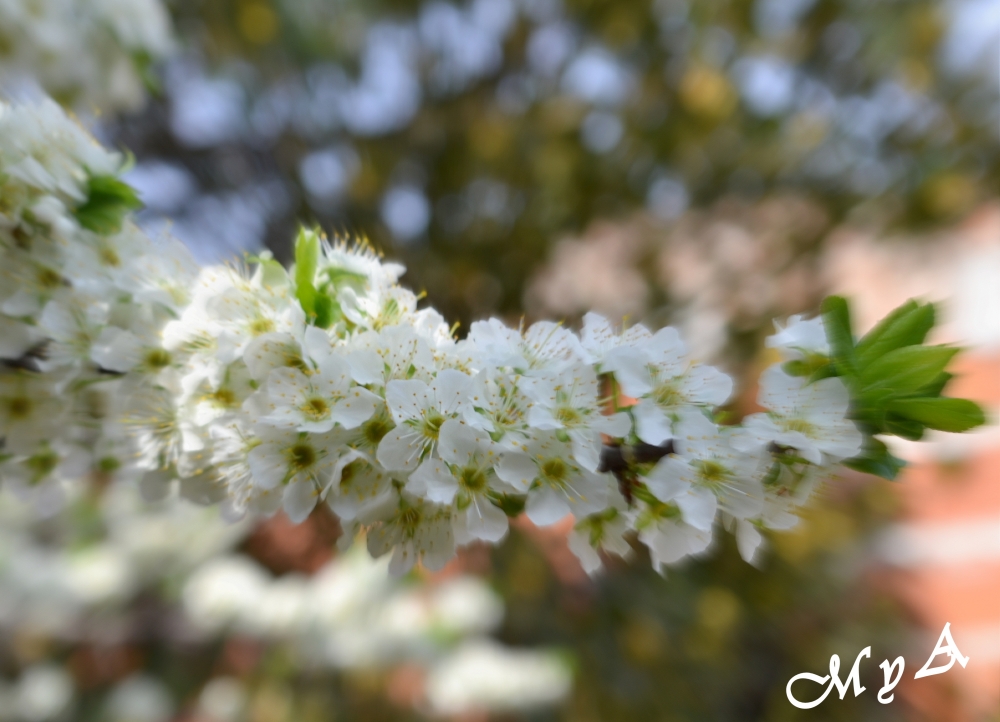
x,y
712,165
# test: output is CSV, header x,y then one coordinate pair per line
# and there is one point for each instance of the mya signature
x,y
893,672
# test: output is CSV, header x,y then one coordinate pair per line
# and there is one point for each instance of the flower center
x,y
157,358
409,520
568,416
555,471
473,478
47,278
315,408
667,395
110,258
261,325
373,430
712,473
224,397
108,464
19,407
301,456
432,424
800,425
41,465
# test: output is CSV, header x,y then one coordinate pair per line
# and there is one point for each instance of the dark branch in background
x,y
620,459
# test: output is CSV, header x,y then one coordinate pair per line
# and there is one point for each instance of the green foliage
x,y
895,380
318,306
108,201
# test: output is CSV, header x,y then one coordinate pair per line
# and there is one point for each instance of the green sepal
x,y
511,504
109,200
837,321
876,459
955,415
810,366
324,309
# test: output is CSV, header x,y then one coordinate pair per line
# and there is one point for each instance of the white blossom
x,y
567,401
799,337
419,410
555,484
705,472
413,530
658,373
810,418
464,476
598,337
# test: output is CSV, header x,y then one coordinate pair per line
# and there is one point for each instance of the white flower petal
x,y
299,499
483,520
652,425
698,506
400,449
546,506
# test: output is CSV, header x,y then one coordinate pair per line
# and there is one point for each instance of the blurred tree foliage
x,y
509,124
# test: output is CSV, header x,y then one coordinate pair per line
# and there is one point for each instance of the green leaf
x,y
307,250
935,387
324,309
109,200
908,325
904,428
908,369
944,414
876,459
837,321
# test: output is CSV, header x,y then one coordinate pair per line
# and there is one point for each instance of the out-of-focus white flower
x,y
544,344
483,676
139,698
810,418
599,337
223,699
94,53
799,337
30,410
44,692
217,594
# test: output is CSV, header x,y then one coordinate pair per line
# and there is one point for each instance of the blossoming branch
x,y
261,388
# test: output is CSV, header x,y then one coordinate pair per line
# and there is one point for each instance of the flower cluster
x,y
92,54
83,295
261,388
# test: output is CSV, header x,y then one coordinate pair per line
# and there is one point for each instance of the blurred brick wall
x,y
943,556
